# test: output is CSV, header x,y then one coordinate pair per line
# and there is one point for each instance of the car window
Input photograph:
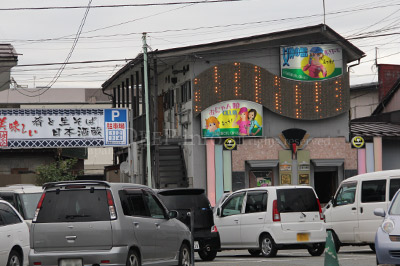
x,y
133,203
346,194
373,191
155,207
9,198
9,216
233,205
256,201
175,201
393,187
29,202
297,200
74,206
395,206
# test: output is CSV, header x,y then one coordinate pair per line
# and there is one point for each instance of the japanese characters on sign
x,y
50,128
231,119
311,62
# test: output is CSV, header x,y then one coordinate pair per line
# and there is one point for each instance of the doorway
x,y
325,184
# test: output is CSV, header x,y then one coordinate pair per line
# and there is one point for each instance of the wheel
x,y
254,252
372,246
268,247
14,259
184,256
133,259
336,241
316,249
207,255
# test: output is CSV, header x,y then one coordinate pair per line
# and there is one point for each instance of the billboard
x,y
311,62
63,128
232,119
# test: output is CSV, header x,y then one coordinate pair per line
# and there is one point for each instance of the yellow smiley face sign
x,y
229,144
358,142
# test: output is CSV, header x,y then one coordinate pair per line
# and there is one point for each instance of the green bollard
x,y
331,258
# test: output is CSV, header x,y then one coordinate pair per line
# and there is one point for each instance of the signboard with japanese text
x,y
311,62
232,119
62,128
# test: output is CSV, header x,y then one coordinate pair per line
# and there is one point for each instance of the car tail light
x,y
111,206
105,261
321,215
37,263
214,229
276,216
39,206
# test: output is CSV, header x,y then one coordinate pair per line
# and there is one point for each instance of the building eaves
x,y
365,86
8,53
387,98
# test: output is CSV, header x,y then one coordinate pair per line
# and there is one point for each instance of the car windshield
x,y
395,208
29,203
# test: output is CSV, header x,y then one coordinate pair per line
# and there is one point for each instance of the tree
x,y
61,170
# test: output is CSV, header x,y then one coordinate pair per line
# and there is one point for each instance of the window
x,y
186,91
9,216
297,200
28,203
346,194
233,205
133,203
393,187
373,191
155,207
256,201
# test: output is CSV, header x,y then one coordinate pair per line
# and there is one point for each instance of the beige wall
x,y
363,103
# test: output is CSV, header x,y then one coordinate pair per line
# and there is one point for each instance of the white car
x,y
14,237
266,219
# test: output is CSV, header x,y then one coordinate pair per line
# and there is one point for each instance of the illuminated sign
x,y
357,142
63,128
231,119
230,144
311,62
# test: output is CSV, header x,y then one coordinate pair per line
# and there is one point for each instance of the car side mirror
x,y
219,212
172,214
380,212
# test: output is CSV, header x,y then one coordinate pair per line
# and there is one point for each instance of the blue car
x,y
387,239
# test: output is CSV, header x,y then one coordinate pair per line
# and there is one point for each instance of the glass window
x,y
233,205
9,215
393,187
155,207
28,202
297,200
373,191
346,194
256,201
395,207
133,203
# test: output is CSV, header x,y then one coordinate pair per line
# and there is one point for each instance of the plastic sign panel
x,y
311,62
232,119
62,128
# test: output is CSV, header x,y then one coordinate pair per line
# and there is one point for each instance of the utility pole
x,y
146,92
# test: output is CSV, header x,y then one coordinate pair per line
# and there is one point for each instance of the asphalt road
x,y
348,256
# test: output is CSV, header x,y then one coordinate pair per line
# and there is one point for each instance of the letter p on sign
x,y
114,114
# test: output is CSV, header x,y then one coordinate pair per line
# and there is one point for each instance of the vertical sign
x,y
116,127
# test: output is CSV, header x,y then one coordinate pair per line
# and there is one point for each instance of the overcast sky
x,y
47,36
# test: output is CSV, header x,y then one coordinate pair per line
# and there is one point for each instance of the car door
x,y
4,241
252,220
164,228
228,222
373,195
343,213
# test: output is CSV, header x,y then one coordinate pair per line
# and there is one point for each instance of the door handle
x,y
136,224
353,209
236,220
260,218
361,209
70,238
157,225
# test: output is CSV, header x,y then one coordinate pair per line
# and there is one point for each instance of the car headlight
x,y
387,226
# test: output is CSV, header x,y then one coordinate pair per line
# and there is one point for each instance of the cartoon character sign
x,y
212,125
254,125
314,66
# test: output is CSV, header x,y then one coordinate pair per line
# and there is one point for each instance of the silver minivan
x,y
99,223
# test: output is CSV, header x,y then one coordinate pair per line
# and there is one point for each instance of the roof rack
x,y
78,182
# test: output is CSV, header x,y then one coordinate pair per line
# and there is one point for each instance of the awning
x,y
263,163
328,162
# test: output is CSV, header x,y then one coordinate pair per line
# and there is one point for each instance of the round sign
x,y
357,142
230,144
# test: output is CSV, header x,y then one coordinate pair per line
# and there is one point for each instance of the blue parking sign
x,y
116,127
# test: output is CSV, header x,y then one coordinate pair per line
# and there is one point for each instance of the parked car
x,y
24,198
14,236
350,214
97,223
206,236
388,234
266,219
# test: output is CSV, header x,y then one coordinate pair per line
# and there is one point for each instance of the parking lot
x,y
348,256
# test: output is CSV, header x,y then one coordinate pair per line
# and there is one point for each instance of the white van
x,y
266,219
350,213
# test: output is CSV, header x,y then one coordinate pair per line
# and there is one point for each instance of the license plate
x,y
196,245
301,237
70,262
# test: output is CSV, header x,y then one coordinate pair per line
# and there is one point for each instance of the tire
x,y
14,259
254,252
316,249
372,246
268,247
207,255
184,256
133,259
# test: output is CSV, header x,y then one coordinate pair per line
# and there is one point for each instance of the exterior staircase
x,y
171,166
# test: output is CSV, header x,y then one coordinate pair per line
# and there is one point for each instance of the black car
x,y
206,236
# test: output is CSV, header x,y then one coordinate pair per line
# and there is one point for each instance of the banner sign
x,y
63,128
311,62
232,119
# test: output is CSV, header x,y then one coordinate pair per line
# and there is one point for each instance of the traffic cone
x,y
331,258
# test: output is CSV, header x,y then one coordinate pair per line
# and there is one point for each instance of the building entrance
x,y
325,184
